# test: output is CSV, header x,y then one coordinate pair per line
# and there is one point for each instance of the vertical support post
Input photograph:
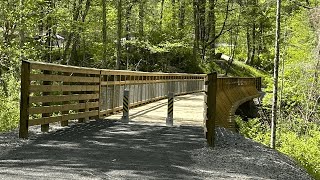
x,y
45,127
114,94
65,123
100,96
24,103
169,119
82,120
125,116
107,95
210,100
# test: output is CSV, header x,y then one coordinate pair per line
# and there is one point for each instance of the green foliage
x,y
9,103
297,139
254,129
9,114
304,148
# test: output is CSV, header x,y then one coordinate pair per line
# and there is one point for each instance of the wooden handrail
x,y
52,92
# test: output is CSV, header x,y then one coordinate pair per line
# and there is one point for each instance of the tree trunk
x,y
128,29
104,32
49,40
202,15
174,14
253,47
161,13
182,14
248,45
141,19
275,78
196,29
211,31
119,33
260,44
234,47
75,58
76,13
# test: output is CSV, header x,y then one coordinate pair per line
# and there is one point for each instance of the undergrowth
x,y
303,146
9,103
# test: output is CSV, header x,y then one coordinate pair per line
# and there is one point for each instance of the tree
x,y
275,77
119,33
104,31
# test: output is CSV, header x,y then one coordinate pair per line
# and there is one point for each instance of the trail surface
x,y
143,149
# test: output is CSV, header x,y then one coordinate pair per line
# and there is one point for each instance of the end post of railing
x,y
126,103
169,119
24,101
210,109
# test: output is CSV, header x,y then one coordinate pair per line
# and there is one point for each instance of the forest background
x,y
178,36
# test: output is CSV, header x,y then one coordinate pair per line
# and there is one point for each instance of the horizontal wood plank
x,y
139,73
66,107
59,78
103,83
63,68
47,120
62,88
61,98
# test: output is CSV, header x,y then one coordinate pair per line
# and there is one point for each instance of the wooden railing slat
x,y
59,78
61,88
63,68
146,81
66,107
47,120
61,98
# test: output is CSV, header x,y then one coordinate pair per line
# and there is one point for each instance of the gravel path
x,y
107,149
110,150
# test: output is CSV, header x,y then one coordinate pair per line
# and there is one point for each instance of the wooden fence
x,y
57,93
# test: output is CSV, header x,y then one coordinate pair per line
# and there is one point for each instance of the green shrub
x,y
9,114
254,129
299,140
9,103
304,148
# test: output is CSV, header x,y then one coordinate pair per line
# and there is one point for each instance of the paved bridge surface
x,y
143,149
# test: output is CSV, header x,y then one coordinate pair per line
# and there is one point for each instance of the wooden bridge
x,y
57,93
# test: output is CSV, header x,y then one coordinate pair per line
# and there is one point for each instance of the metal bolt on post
x,y
169,119
125,116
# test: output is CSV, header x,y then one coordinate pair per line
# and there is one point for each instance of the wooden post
x,y
169,119
100,96
210,99
65,123
82,120
45,127
113,92
24,102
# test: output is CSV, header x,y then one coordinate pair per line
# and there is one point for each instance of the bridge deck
x,y
188,110
145,149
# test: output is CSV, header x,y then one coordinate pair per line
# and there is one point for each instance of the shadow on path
x,y
105,149
111,150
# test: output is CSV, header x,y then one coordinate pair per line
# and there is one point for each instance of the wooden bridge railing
x,y
57,93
